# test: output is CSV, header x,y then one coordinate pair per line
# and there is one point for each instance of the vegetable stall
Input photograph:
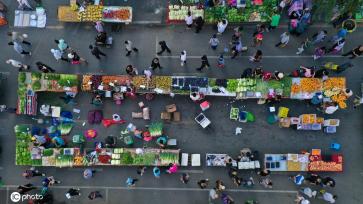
x,y
28,154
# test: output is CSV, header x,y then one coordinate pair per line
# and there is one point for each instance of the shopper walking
x,y
355,52
330,198
308,192
257,40
26,188
203,183
342,33
75,58
236,49
96,51
20,38
189,20
155,63
257,57
275,21
17,64
319,37
130,48
199,22
62,45
156,172
220,62
72,192
49,181
99,27
301,200
32,172
319,53
284,39
58,55
88,173
214,42
173,168
213,195
24,5
131,70
221,26
131,182
337,47
94,195
183,58
328,181
19,48
44,68
164,47
184,178
264,172
141,170
266,182
205,63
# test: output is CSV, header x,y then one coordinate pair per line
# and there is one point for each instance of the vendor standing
x,y
196,96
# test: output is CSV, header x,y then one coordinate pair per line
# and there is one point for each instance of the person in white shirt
x,y
189,20
329,197
183,58
58,55
214,42
18,64
129,48
284,39
221,26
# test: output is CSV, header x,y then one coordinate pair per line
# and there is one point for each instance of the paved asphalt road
x,y
220,139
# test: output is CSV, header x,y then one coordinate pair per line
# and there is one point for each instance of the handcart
x,y
202,120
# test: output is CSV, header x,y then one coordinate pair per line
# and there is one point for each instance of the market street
x,y
221,138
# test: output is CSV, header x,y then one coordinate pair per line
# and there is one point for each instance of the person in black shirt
x,y
96,52
205,63
355,52
164,47
199,22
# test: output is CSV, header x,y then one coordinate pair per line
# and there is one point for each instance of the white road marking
x,y
162,189
106,195
264,56
7,195
156,44
145,22
192,171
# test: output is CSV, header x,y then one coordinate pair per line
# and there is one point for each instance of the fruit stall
x,y
28,154
310,122
251,11
93,13
312,162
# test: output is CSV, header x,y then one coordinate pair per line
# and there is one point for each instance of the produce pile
x,y
92,13
251,13
120,14
246,84
232,85
163,82
23,138
85,83
121,80
310,85
142,81
334,82
167,158
325,166
156,129
178,13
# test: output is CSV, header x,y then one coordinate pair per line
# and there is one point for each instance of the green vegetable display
x,y
167,158
156,129
36,85
232,85
246,84
65,128
126,158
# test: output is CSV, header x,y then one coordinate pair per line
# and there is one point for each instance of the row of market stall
x,y
29,154
94,13
233,11
243,88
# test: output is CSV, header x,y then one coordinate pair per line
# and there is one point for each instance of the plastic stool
x,y
335,146
205,105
